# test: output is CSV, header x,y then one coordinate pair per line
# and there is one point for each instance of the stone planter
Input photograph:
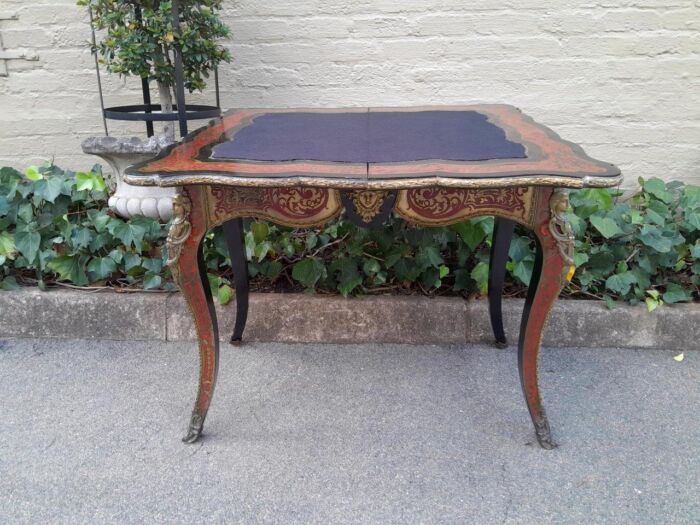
x,y
126,200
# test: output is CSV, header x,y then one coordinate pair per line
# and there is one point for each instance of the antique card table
x,y
430,166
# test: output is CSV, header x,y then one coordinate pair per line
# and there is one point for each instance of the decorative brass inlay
x,y
439,206
291,206
180,228
376,184
561,230
368,203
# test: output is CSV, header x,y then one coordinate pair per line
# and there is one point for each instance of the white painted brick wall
x,y
621,77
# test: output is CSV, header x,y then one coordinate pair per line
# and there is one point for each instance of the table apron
x,y
304,206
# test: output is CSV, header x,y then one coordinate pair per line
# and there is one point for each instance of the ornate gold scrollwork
x,y
298,206
561,230
368,203
180,227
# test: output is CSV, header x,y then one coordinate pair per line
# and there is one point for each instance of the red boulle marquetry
x,y
430,166
548,158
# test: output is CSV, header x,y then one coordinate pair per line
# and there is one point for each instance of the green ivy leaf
x,y
273,269
311,241
70,268
371,266
33,173
224,294
260,231
116,255
463,280
606,226
131,260
128,232
7,245
695,250
693,218
152,281
49,188
27,243
99,241
82,237
4,205
99,220
101,267
655,217
657,188
431,277
25,211
691,197
653,237
9,283
429,256
480,274
580,259
589,201
621,282
261,250
636,216
152,264
470,232
348,274
523,270
308,271
520,249
652,304
675,293
89,181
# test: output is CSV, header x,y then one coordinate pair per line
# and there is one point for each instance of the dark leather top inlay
x,y
369,137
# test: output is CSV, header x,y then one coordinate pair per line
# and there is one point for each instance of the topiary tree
x,y
139,39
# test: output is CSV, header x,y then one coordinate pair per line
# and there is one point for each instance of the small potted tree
x,y
141,38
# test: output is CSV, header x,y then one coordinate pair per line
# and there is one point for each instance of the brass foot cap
x,y
192,436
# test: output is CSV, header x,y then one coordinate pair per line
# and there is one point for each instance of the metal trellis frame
x,y
148,112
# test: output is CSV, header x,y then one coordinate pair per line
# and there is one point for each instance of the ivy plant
x,y
646,248
55,227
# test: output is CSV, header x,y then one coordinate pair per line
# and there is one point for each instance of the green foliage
x,y
642,249
139,38
55,226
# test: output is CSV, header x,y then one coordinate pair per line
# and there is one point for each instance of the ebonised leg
x,y
233,232
502,235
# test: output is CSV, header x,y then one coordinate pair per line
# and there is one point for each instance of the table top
x,y
466,146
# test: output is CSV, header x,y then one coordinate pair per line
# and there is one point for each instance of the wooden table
x,y
430,166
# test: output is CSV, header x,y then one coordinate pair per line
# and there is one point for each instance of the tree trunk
x,y
166,104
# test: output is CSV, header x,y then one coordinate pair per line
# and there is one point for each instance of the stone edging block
x,y
70,314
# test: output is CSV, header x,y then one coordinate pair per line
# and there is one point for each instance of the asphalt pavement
x,y
323,434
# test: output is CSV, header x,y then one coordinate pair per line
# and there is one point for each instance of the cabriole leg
x,y
502,235
188,268
233,232
553,264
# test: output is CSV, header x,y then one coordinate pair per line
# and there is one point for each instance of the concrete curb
x,y
68,314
